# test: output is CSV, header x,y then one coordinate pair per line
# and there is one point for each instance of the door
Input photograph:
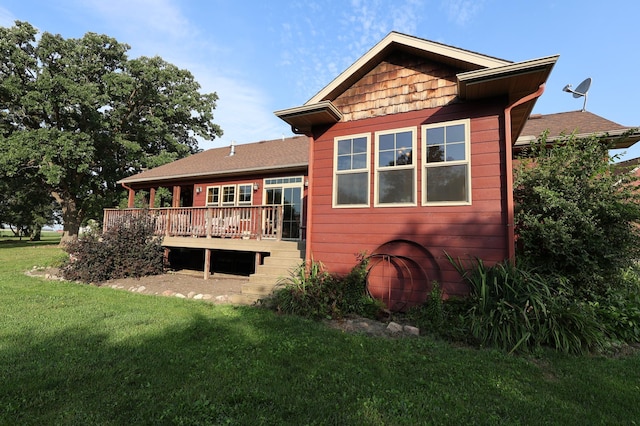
x,y
286,192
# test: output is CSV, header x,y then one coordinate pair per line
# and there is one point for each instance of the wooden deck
x,y
242,223
256,229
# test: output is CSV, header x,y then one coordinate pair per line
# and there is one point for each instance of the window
x,y
351,171
447,172
213,196
228,195
244,194
395,167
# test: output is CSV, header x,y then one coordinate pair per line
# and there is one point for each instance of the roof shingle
x,y
275,154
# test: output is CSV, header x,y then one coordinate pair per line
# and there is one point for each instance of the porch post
x,y
176,196
207,263
152,197
132,199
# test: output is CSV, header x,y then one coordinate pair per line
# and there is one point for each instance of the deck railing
x,y
251,222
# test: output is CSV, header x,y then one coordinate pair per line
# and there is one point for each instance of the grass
x,y
75,354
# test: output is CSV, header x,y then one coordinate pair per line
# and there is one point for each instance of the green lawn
x,y
76,354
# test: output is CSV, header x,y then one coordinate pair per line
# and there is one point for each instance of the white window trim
x,y
244,203
206,200
412,166
336,172
467,162
235,199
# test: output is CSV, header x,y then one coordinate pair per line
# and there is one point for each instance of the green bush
x,y
576,213
445,318
312,292
619,308
517,310
127,249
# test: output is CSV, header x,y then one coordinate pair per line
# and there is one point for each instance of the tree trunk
x,y
71,218
37,232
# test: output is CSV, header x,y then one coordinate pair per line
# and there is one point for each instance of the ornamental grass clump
x,y
128,249
514,309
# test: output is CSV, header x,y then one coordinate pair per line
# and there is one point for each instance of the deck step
x,y
276,267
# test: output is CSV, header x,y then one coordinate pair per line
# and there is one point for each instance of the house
x,y
411,157
405,156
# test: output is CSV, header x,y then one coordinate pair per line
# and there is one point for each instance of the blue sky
x,y
264,56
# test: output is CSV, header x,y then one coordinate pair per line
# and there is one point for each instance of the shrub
x,y
515,309
128,249
619,308
311,291
575,213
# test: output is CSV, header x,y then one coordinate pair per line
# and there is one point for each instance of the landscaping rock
x,y
411,330
394,328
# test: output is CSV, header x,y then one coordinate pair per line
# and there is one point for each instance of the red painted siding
x,y
476,230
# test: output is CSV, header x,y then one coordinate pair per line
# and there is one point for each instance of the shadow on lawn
x,y
14,242
241,366
205,371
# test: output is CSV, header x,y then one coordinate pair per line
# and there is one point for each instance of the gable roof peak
x,y
454,56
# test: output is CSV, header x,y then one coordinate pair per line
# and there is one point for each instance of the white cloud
x,y
462,11
160,28
6,18
144,16
243,113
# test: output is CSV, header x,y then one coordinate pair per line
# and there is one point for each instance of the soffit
x,y
513,81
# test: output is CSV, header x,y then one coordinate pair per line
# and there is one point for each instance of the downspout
x,y
511,233
132,195
309,224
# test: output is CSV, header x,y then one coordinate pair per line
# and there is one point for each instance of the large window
x,y
230,195
351,167
447,172
395,168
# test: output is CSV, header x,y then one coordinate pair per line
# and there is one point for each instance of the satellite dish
x,y
581,90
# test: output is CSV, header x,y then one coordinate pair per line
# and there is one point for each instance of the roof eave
x,y
621,138
191,176
513,81
303,118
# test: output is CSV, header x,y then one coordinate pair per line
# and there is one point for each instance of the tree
x,y
24,206
78,115
576,215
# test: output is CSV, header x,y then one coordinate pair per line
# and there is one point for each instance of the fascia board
x,y
185,176
514,68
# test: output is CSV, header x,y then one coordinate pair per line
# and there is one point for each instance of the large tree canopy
x,y
78,115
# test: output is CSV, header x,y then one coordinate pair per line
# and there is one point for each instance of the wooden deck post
x,y
176,196
152,197
257,260
207,263
131,202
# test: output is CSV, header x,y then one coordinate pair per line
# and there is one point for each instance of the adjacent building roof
x,y
274,155
580,123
